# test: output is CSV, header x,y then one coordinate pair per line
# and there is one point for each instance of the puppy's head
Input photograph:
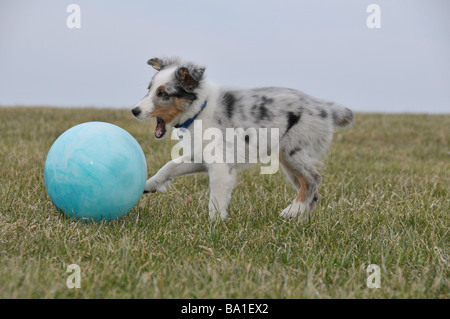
x,y
170,93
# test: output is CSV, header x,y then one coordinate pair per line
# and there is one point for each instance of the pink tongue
x,y
159,131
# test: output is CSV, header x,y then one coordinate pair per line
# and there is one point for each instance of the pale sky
x,y
321,47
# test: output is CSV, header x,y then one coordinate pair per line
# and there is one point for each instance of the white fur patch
x,y
296,209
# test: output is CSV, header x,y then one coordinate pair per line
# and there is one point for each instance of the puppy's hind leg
x,y
291,177
221,183
306,179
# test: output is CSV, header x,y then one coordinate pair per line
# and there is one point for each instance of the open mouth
x,y
160,130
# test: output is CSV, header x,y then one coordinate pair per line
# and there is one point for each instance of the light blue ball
x,y
95,171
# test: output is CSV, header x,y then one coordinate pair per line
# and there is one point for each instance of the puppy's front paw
x,y
154,185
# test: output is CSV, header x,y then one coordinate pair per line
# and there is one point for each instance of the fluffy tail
x,y
342,116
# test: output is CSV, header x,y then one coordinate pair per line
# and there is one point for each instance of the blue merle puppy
x,y
180,92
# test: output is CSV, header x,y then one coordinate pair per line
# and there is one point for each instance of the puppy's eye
x,y
163,94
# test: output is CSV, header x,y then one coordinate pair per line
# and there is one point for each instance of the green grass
x,y
384,200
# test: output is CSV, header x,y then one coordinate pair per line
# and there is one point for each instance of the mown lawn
x,y
384,200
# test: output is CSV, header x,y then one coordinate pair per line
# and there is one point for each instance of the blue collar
x,y
183,127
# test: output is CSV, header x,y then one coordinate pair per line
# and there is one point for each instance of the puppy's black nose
x,y
136,111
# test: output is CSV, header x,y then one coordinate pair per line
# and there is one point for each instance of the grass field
x,y
384,200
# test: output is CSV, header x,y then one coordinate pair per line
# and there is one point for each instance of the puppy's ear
x,y
189,77
156,63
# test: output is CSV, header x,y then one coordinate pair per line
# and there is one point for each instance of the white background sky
x,y
321,47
